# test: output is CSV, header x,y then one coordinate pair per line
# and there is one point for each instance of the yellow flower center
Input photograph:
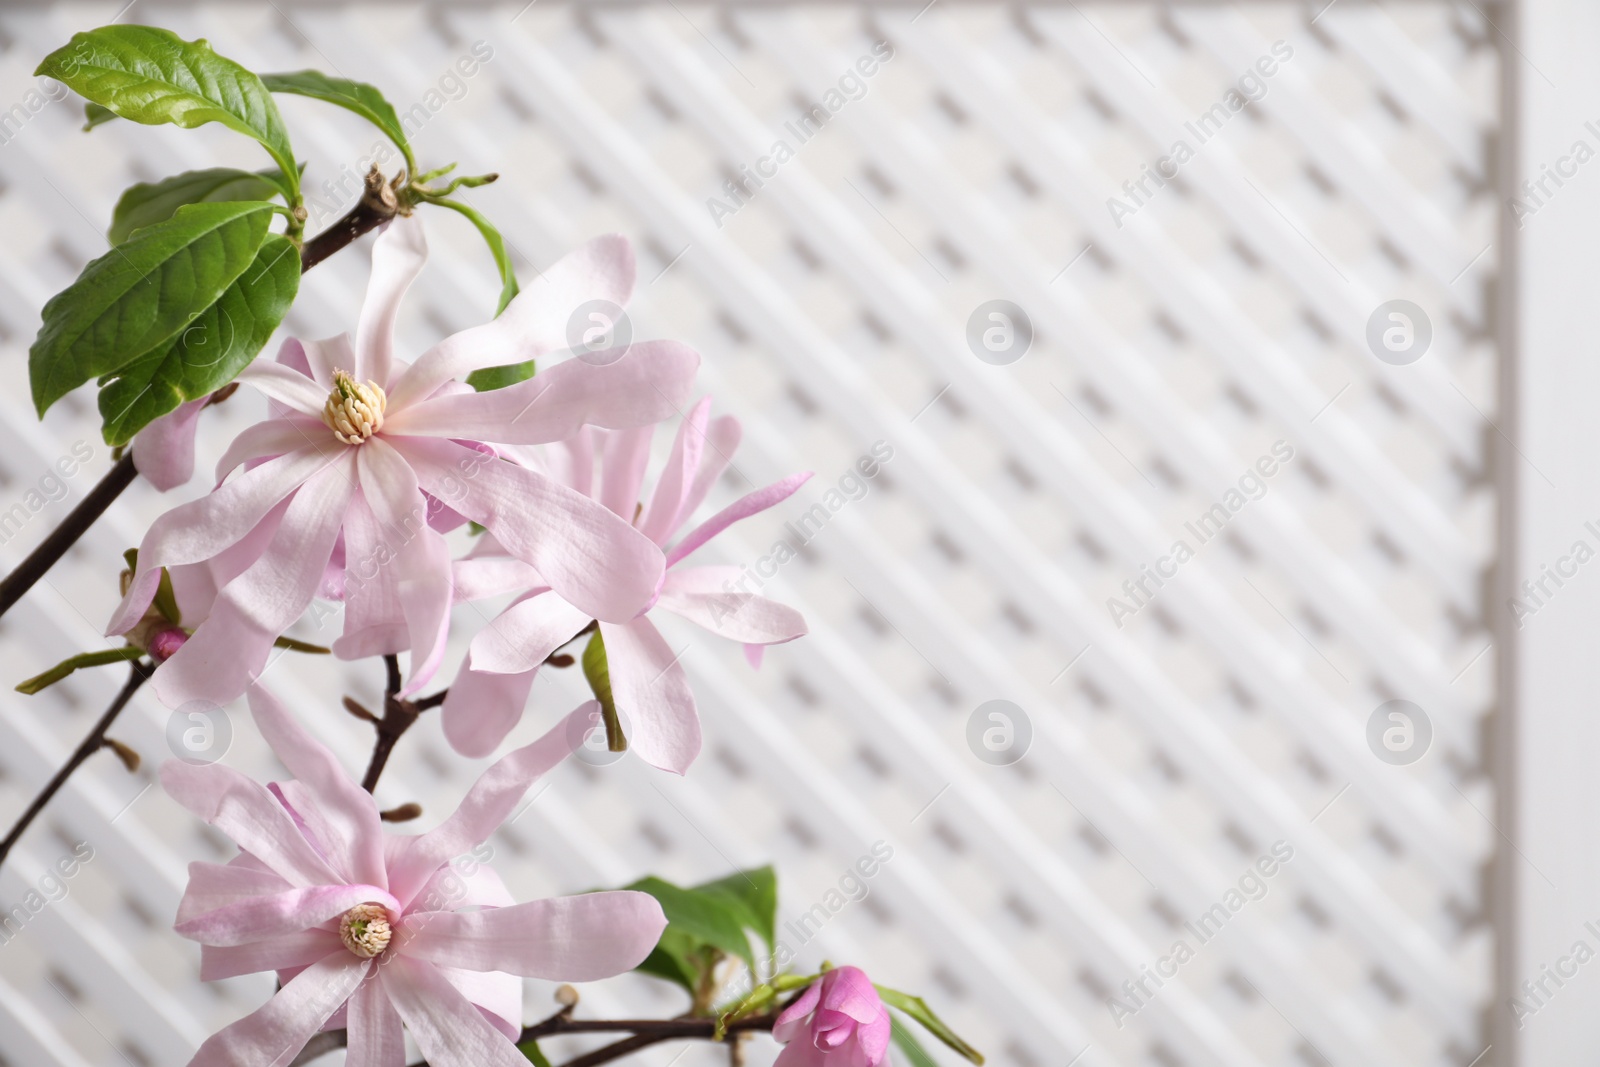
x,y
365,929
354,412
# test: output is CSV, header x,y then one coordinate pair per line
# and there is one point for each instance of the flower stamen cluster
x,y
354,412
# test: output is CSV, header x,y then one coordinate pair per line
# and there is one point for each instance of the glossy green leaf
x,y
917,1009
706,917
535,1055
153,76
211,351
137,298
907,1043
753,896
674,960
363,99
73,663
148,203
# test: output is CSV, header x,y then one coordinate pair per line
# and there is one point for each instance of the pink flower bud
x,y
164,644
839,1021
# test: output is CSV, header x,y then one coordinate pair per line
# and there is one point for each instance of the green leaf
x,y
673,960
598,673
512,373
154,76
753,896
166,599
137,298
705,917
530,1049
917,1009
907,1043
151,202
72,663
211,351
363,99
95,115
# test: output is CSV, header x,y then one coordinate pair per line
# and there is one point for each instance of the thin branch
x,y
378,205
138,673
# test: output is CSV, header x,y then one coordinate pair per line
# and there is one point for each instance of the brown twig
x,y
378,205
398,717
140,671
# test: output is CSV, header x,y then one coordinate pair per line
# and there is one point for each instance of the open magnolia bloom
x,y
363,927
648,684
362,449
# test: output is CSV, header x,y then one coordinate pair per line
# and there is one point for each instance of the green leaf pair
x,y
917,1009
708,923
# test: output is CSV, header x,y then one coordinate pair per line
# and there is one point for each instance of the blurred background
x,y
1100,279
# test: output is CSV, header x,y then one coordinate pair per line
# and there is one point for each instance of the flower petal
x,y
225,655
596,561
742,617
346,809
200,529
376,1036
164,450
374,618
397,259
722,441
664,513
296,391
296,949
481,708
274,437
791,1020
213,885
243,810
746,506
649,384
482,810
496,995
481,579
327,355
565,939
270,1036
452,887
449,1030
522,636
623,461
651,690
421,571
531,325
278,914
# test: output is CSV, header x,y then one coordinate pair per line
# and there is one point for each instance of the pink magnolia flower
x,y
648,685
341,481
839,1021
164,450
363,927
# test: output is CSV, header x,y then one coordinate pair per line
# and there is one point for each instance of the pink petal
x,y
496,995
445,1025
164,450
272,1035
579,449
225,655
597,562
849,990
421,568
565,939
742,617
722,441
376,1036
243,810
296,949
287,386
328,355
521,637
625,455
481,579
397,258
213,885
746,506
200,529
652,382
533,324
665,512
266,917
482,708
451,888
652,692
275,437
792,1019
374,618
346,808
485,807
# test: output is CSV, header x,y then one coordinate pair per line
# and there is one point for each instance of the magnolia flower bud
x,y
354,412
164,643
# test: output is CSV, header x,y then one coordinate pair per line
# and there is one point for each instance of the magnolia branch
x,y
378,205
